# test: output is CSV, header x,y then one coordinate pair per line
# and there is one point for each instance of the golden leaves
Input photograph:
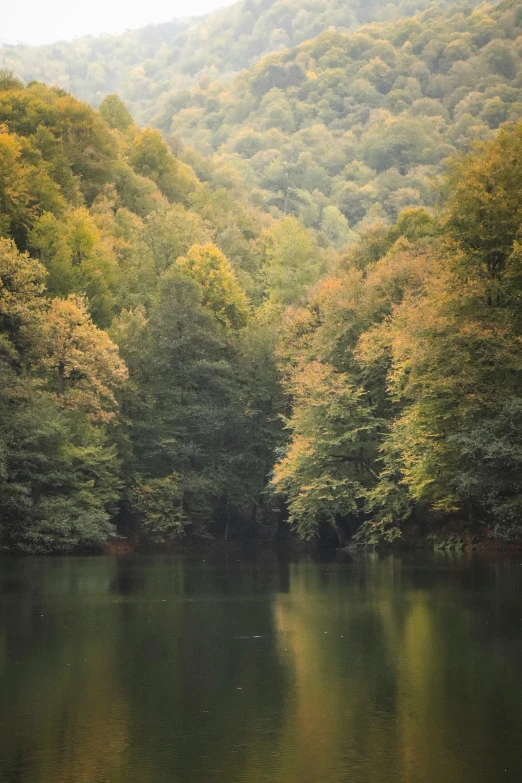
x,y
86,361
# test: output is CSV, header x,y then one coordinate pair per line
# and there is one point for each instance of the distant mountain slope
x,y
143,65
361,122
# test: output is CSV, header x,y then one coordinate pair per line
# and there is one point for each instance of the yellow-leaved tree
x,y
222,293
84,361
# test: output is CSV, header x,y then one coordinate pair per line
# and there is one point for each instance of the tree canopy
x,y
123,304
311,313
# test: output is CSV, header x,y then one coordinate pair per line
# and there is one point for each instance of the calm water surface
x,y
400,669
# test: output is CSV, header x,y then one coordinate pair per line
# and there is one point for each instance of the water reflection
x,y
172,670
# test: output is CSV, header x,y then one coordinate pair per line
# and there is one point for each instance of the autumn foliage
x,y
405,371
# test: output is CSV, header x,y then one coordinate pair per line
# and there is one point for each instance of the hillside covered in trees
x,y
360,123
340,129
146,66
296,320
404,367
136,375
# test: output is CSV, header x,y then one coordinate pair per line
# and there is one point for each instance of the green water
x,y
400,669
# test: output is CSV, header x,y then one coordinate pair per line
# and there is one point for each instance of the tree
x,y
189,412
84,362
58,475
328,466
484,209
59,482
293,261
157,504
340,468
8,80
21,303
48,238
95,264
335,226
151,157
171,233
115,113
220,289
456,361
15,207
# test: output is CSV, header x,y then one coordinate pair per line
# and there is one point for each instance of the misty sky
x,y
39,21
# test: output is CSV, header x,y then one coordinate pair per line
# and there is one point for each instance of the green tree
x,y
221,292
150,156
328,467
115,113
293,261
335,226
190,410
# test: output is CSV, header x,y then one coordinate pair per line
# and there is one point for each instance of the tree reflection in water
x,y
172,670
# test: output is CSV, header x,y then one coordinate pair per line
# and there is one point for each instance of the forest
x,y
294,297
148,66
359,123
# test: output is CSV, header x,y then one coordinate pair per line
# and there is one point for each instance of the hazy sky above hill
x,y
36,22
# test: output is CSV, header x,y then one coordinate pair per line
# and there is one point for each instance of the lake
x,y
261,669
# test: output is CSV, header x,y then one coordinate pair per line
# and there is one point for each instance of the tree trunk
x,y
61,379
227,516
341,535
